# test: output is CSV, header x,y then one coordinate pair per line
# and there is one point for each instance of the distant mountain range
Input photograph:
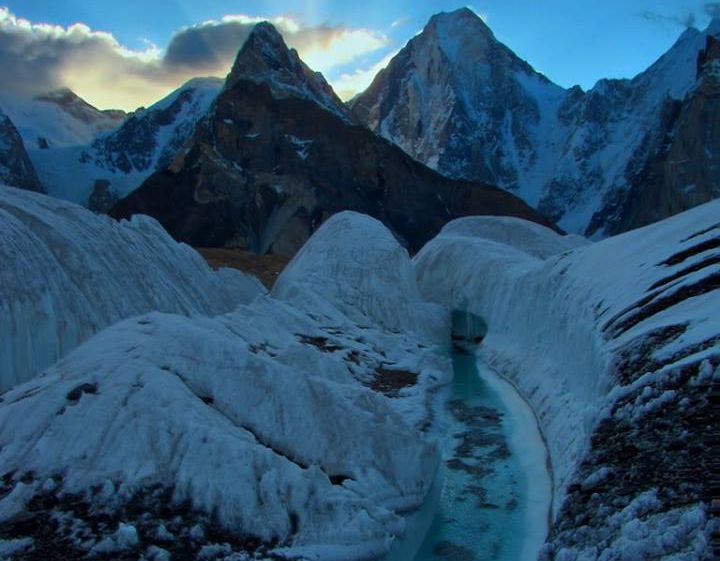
x,y
94,157
282,146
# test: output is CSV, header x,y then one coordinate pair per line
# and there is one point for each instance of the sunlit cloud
x,y
352,83
336,49
38,57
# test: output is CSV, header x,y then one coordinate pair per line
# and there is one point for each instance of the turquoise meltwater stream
x,y
485,505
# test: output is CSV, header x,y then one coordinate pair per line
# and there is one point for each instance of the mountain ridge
x,y
270,164
571,154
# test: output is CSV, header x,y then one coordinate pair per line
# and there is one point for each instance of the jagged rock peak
x,y
265,58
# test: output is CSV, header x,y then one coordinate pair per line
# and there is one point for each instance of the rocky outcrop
x,y
272,161
463,103
103,197
265,59
16,169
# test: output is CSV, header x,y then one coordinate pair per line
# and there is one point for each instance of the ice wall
x,y
67,273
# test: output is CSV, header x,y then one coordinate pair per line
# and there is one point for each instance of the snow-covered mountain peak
x,y
675,72
57,119
466,41
266,59
76,106
458,27
463,103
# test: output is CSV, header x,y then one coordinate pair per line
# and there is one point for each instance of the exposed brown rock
x,y
266,268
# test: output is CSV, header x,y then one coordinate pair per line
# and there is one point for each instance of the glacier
x,y
610,342
262,430
157,408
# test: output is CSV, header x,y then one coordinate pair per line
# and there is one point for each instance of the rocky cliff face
x,y
463,103
684,169
16,169
277,156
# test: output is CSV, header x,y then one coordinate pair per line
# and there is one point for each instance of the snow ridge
x,y
121,159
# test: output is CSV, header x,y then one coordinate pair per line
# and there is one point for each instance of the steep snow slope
x,y
463,103
16,169
111,165
262,430
68,273
614,130
614,344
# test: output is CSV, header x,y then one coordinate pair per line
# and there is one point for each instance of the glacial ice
x,y
561,313
260,418
67,273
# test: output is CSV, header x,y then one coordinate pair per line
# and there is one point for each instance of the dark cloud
x,y
206,46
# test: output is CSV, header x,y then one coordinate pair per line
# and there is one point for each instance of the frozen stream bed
x,y
492,496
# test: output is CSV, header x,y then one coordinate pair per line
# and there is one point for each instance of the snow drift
x,y
67,273
612,343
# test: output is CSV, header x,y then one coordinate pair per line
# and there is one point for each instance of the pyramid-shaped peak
x,y
265,37
461,33
462,20
264,50
266,59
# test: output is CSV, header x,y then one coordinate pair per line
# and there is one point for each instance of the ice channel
x,y
491,499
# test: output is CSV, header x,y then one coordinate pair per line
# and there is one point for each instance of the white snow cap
x,y
355,263
528,237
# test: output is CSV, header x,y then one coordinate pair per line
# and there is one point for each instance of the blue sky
x,y
572,42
